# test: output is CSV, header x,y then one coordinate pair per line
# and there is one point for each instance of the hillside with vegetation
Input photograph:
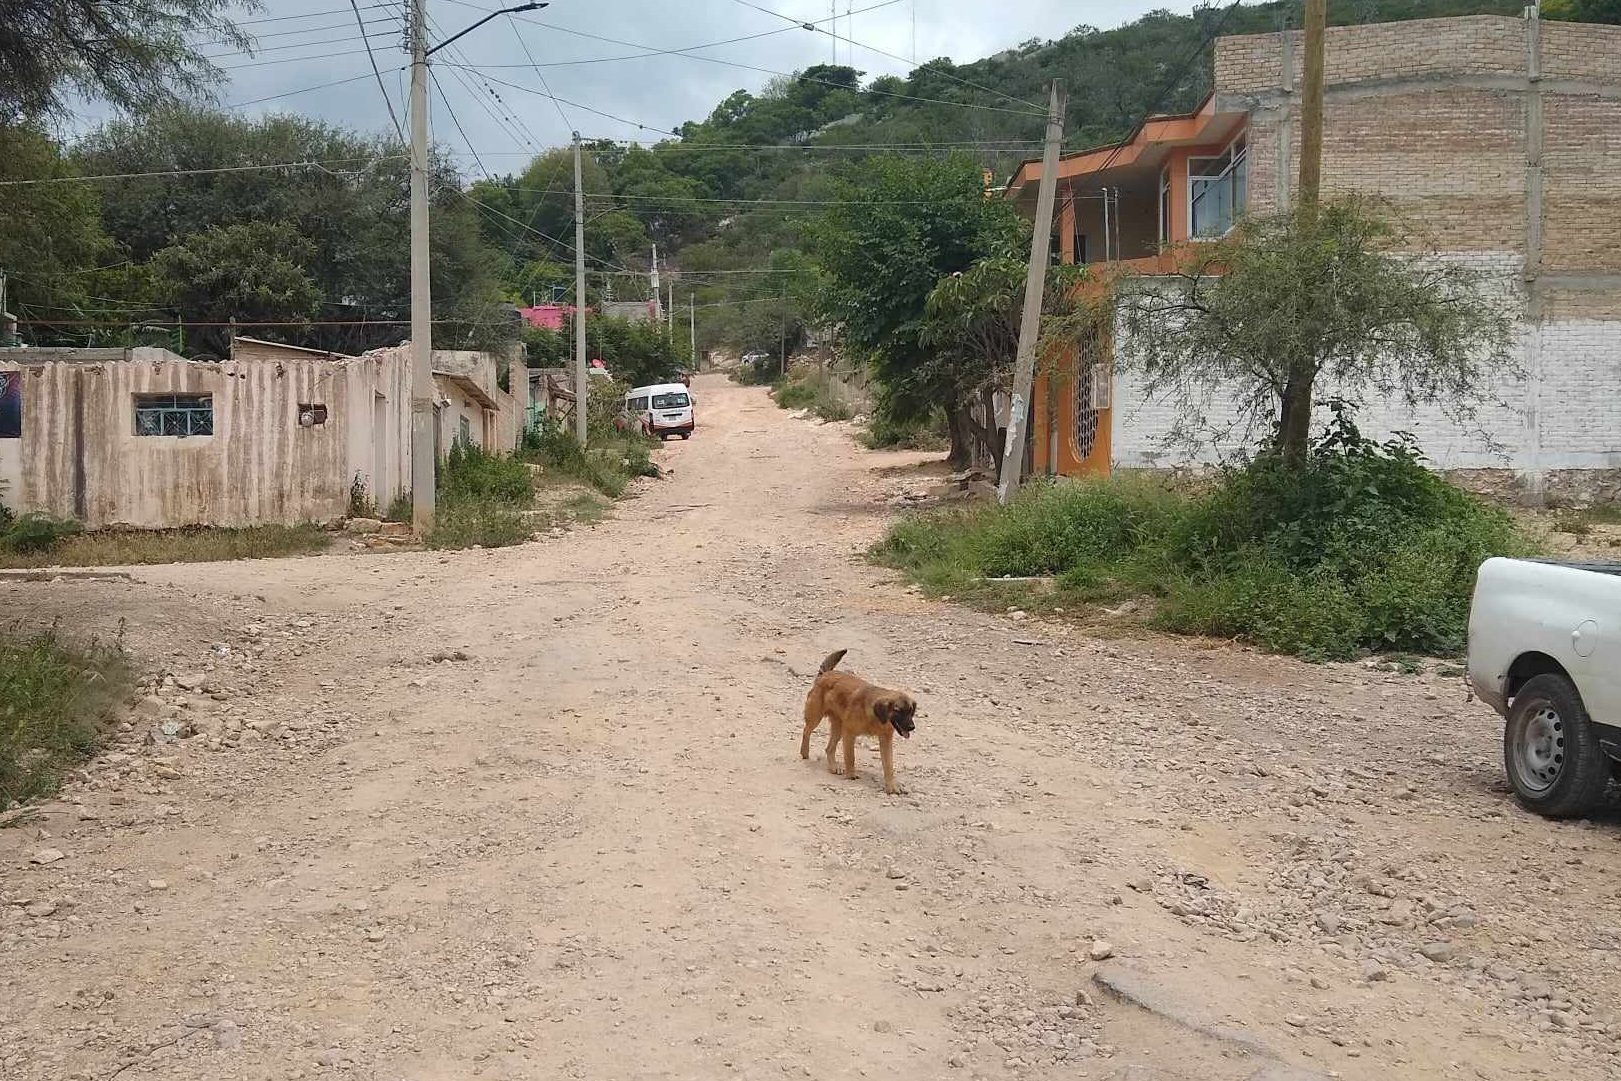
x,y
316,255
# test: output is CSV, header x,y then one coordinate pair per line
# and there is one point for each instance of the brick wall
x,y
1420,48
1582,52
1581,161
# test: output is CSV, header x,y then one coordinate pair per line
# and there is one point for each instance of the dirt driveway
x,y
539,813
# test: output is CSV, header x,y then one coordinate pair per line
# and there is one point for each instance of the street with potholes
x,y
539,812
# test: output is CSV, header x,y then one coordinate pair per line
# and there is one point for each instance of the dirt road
x,y
539,813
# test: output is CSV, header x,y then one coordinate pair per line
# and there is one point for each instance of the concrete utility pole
x,y
581,391
1311,106
423,466
692,329
1035,285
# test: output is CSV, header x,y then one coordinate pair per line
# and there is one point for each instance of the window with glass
x,y
1164,207
1218,191
174,414
671,401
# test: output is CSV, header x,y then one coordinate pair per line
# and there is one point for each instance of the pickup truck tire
x,y
1550,750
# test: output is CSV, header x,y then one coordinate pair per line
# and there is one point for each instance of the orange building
x,y
1493,137
1175,179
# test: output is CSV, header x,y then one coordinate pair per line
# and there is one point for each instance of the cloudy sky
x,y
586,52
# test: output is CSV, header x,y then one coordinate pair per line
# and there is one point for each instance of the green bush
x,y
33,533
57,697
813,392
471,473
1358,548
608,466
922,433
488,523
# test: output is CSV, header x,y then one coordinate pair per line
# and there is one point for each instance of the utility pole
x,y
1311,107
581,391
1035,285
423,465
784,339
692,330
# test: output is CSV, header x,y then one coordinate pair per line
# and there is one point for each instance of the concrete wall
x,y
80,456
1498,139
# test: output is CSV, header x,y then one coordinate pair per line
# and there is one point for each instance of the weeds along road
x,y
539,812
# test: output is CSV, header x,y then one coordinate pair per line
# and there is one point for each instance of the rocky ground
x,y
539,812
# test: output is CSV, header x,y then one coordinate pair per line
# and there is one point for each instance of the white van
x,y
665,409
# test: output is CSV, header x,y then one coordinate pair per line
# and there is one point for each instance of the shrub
x,y
923,433
34,533
360,501
488,523
57,698
1358,548
607,466
812,391
471,473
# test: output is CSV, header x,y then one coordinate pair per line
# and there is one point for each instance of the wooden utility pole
x,y
582,378
1035,287
423,465
1294,419
1311,107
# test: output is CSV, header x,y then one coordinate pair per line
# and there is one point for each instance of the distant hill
x,y
699,197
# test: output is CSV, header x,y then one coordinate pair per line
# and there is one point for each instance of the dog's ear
x,y
883,709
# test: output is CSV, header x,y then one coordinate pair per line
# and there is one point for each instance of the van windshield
x,y
670,401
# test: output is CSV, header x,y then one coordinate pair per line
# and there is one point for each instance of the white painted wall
x,y
1562,411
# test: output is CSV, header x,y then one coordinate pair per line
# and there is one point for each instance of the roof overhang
x,y
1146,146
468,387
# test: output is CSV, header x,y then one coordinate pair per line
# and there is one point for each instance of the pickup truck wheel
x,y
1550,752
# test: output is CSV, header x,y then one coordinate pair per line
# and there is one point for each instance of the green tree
x,y
971,326
353,211
51,237
252,272
909,222
1583,11
1339,297
134,55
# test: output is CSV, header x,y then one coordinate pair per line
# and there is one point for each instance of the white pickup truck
x,y
1545,652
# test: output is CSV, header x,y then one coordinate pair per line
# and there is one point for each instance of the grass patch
x,y
587,508
811,390
201,544
1579,521
1358,550
57,700
922,433
482,500
612,461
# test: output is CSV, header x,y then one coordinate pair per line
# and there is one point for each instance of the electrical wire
x,y
834,34
767,71
295,93
200,172
388,101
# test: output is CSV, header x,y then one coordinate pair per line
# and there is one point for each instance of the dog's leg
x,y
813,717
850,754
835,728
886,750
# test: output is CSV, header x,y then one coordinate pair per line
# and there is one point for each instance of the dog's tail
x,y
832,662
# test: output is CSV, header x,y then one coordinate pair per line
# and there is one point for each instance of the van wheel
x,y
1550,752
685,436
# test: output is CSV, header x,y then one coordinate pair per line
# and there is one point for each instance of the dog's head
x,y
897,710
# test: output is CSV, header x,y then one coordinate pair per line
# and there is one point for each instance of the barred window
x,y
174,414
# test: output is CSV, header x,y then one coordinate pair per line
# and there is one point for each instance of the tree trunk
x,y
995,437
961,455
1294,422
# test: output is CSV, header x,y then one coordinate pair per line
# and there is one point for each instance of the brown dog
x,y
856,708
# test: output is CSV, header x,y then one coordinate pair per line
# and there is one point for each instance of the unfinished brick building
x,y
1499,138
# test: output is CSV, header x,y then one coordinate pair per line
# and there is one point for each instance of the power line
x,y
295,93
388,101
836,36
454,119
249,51
767,71
200,172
